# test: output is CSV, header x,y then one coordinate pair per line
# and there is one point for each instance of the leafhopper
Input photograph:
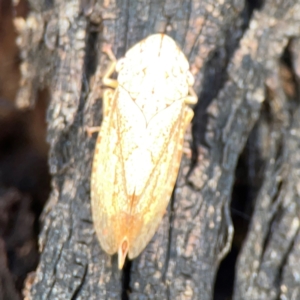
x,y
139,146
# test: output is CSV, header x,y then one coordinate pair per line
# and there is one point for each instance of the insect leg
x,y
189,113
91,130
192,98
113,83
107,99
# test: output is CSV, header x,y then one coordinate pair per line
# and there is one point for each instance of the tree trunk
x,y
239,52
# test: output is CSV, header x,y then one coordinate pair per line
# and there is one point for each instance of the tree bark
x,y
235,51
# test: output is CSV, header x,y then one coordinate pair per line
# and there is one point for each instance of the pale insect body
x,y
139,146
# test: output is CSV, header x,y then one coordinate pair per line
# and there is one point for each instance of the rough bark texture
x,y
235,50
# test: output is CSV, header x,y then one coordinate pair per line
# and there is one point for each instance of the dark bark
x,y
235,53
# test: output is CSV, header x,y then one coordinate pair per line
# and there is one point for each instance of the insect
x,y
139,146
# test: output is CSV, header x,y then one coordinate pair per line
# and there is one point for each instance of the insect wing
x,y
134,171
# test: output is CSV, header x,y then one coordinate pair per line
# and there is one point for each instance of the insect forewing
x,y
139,146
